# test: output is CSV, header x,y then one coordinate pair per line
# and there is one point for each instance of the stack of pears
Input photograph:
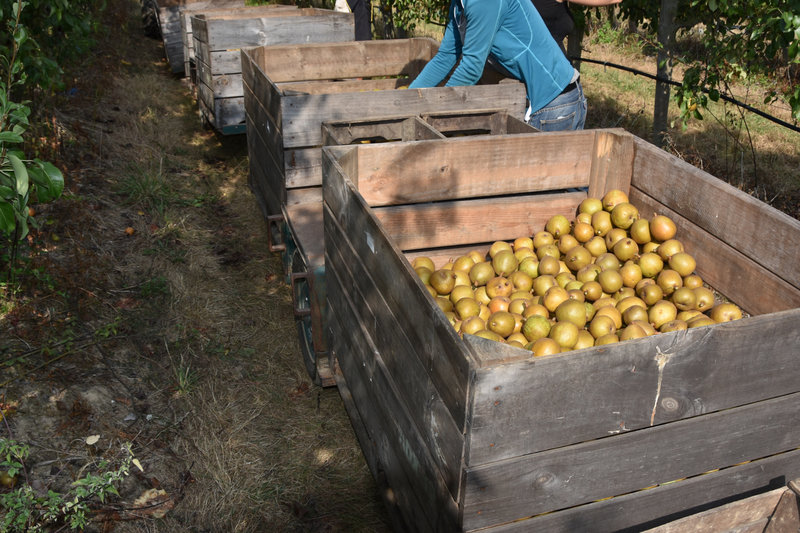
x,y
606,276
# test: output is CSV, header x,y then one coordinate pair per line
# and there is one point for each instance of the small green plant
x,y
25,510
22,180
185,379
606,33
157,286
147,188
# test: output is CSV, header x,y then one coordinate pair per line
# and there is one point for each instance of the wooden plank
x,y
306,223
303,167
641,510
612,162
470,167
444,355
262,168
378,130
229,112
222,61
462,222
391,57
263,90
490,122
227,85
390,459
336,86
303,115
269,143
574,475
404,372
730,516
727,269
303,195
748,225
786,517
368,448
547,402
257,26
360,362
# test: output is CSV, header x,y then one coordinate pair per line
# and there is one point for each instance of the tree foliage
x,y
57,32
739,39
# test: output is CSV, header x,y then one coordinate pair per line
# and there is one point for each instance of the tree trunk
x,y
666,38
574,40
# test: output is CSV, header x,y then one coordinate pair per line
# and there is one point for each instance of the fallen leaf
x,y
153,502
136,462
91,440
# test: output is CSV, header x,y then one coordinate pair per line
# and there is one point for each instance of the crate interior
x,y
463,196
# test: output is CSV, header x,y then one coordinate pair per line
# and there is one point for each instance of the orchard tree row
x,y
740,38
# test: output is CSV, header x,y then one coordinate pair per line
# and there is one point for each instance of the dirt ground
x,y
151,312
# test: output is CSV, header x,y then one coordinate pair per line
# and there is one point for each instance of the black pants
x,y
360,9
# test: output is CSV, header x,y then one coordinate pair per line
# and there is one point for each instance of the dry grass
x,y
203,349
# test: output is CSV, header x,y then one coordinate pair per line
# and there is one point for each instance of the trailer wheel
x,y
301,298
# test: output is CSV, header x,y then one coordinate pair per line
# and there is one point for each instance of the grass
x,y
744,149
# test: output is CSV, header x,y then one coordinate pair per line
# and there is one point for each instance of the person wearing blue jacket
x,y
511,35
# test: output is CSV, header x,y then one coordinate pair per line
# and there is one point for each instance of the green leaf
x,y
21,174
712,5
7,218
50,184
10,137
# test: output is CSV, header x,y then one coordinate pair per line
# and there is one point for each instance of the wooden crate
x,y
291,90
218,39
213,7
169,17
467,433
301,240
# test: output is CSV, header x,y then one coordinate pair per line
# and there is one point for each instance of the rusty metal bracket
x,y
274,229
301,306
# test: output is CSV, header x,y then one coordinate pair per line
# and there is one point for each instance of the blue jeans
x,y
567,111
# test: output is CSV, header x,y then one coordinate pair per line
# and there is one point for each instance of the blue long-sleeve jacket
x,y
513,32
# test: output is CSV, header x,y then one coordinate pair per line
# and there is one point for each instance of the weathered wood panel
x,y
641,510
470,167
207,7
574,475
404,372
548,402
391,57
261,168
612,162
438,345
394,424
303,115
431,225
391,460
